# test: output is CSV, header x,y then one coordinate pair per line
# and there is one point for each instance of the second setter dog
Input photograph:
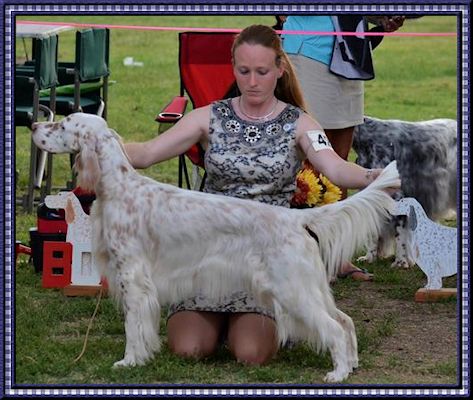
x,y
426,157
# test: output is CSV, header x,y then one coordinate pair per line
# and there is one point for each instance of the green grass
x,y
415,79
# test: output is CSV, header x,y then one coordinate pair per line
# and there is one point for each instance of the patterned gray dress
x,y
249,160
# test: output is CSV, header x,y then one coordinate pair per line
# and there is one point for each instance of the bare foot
x,y
357,274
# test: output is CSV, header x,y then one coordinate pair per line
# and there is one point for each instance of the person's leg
x,y
252,338
334,102
194,334
348,270
341,140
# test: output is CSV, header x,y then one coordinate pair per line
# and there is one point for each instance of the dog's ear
x,y
87,164
120,142
412,219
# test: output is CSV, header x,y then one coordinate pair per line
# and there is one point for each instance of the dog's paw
x,y
401,263
125,362
336,376
368,258
354,363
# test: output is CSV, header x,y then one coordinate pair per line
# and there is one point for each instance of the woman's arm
x,y
191,129
317,149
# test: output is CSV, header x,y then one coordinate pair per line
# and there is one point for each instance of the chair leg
x,y
40,167
73,182
202,182
46,189
105,98
197,180
49,178
100,110
183,172
180,171
29,198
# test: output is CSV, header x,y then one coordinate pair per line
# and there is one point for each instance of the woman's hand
x,y
393,23
388,23
372,174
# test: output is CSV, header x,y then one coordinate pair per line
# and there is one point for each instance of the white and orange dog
x,y
156,243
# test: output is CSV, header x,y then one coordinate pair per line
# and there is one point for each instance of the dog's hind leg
x,y
139,299
333,336
347,323
306,296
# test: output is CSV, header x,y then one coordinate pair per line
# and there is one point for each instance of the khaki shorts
x,y
335,102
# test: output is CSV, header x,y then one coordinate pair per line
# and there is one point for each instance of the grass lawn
x,y
400,341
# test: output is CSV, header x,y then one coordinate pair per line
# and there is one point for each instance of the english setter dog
x,y
426,156
156,243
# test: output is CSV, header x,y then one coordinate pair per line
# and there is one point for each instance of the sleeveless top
x,y
252,160
249,160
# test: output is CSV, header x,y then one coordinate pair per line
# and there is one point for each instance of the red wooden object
x,y
57,260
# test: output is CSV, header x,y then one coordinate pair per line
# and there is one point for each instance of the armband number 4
x,y
319,140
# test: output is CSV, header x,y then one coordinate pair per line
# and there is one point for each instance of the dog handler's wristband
x,y
319,140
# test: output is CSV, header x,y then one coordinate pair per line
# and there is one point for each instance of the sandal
x,y
357,275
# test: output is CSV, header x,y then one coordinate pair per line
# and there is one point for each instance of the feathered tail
x,y
345,226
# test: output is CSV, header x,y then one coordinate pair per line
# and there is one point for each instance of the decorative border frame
x,y
12,8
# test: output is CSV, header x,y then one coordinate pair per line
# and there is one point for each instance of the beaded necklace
x,y
262,118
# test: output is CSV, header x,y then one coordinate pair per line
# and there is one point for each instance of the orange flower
x,y
308,188
332,193
313,189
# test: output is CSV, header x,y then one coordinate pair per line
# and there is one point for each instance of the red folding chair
x,y
206,75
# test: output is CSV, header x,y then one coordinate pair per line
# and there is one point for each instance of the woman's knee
x,y
191,346
253,352
193,334
252,338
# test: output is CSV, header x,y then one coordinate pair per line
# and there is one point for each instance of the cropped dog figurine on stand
x,y
426,157
156,243
79,234
433,246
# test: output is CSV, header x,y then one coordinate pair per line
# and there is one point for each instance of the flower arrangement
x,y
313,189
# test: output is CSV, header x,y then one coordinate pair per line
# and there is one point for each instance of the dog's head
x,y
373,143
77,133
70,134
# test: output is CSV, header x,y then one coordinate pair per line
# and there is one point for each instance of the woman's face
x,y
256,72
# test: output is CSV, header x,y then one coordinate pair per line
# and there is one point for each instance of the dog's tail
x,y
344,227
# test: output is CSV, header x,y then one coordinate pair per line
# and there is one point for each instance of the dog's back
x,y
426,155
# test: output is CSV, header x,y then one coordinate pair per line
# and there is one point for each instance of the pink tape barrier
x,y
194,29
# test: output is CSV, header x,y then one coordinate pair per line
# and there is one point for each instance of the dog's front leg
x,y
139,299
371,251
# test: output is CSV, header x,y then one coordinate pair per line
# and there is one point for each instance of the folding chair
x,y
83,84
29,81
206,75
